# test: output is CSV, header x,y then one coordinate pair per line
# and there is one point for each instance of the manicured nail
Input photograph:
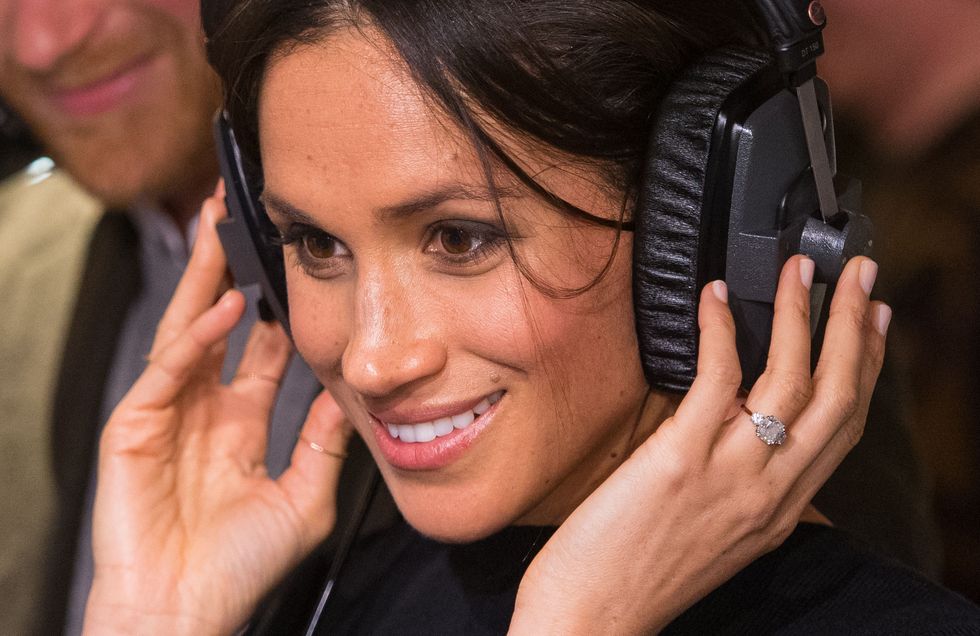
x,y
721,290
882,318
867,275
806,272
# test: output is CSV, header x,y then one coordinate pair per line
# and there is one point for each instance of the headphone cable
x,y
343,547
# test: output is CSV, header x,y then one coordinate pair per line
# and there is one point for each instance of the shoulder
x,y
821,581
42,199
46,223
43,217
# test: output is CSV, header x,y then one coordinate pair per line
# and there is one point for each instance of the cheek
x,y
187,11
319,319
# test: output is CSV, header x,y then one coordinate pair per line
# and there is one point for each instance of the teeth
x,y
425,432
406,433
428,431
463,419
444,425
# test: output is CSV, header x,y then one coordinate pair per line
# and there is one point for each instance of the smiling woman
x,y
452,185
406,301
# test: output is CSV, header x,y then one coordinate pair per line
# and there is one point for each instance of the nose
x,y
394,341
42,32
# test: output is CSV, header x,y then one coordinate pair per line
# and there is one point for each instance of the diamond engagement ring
x,y
768,428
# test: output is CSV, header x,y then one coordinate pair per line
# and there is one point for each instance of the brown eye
x,y
320,246
456,240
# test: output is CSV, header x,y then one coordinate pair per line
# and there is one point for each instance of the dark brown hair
x,y
581,76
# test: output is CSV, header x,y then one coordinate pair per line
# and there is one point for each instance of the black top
x,y
819,581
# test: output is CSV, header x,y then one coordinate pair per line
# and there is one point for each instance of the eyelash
x,y
489,240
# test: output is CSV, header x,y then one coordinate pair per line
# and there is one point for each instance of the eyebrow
x,y
421,202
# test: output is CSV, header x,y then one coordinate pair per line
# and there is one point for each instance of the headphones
x,y
739,176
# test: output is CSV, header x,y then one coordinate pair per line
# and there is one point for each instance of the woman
x,y
459,281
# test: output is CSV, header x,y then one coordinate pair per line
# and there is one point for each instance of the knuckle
x,y
853,431
850,315
779,530
724,374
792,386
758,510
798,309
846,400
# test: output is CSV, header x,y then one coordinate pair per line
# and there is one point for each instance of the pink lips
x,y
103,94
438,453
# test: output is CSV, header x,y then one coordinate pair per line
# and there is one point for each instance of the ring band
x,y
769,428
320,449
258,376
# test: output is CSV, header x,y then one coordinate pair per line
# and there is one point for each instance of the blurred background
x,y
905,80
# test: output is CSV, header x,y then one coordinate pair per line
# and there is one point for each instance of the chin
x,y
462,519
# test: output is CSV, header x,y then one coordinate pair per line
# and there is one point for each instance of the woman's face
x,y
484,401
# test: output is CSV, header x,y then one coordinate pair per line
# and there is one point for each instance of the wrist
x,y
575,608
107,616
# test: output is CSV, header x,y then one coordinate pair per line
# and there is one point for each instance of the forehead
x,y
345,119
347,111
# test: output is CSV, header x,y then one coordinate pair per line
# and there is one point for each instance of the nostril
x,y
43,33
377,369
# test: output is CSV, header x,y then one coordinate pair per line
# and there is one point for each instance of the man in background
x,y
120,96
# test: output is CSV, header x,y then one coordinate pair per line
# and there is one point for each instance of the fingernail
x,y
867,275
226,297
721,290
806,272
882,318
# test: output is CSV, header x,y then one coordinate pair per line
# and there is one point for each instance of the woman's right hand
x,y
189,530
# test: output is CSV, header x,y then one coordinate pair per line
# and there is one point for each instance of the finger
x,y
719,374
838,390
262,367
785,385
203,280
784,388
823,461
311,480
172,367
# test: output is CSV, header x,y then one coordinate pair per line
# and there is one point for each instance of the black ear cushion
x,y
668,215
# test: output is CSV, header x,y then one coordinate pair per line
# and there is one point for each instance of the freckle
x,y
309,157
613,455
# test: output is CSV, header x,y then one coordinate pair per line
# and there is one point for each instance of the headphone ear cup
x,y
667,244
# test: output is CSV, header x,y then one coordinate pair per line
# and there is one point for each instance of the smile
x,y
105,93
422,432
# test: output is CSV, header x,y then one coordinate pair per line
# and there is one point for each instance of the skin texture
x,y
390,325
118,92
698,498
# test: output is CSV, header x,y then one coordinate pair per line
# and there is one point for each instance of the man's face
x,y
118,91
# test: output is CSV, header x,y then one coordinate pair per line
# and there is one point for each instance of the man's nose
x,y
394,341
42,32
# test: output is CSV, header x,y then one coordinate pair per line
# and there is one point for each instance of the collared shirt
x,y
164,254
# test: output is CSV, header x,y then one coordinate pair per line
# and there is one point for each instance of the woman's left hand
x,y
703,497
